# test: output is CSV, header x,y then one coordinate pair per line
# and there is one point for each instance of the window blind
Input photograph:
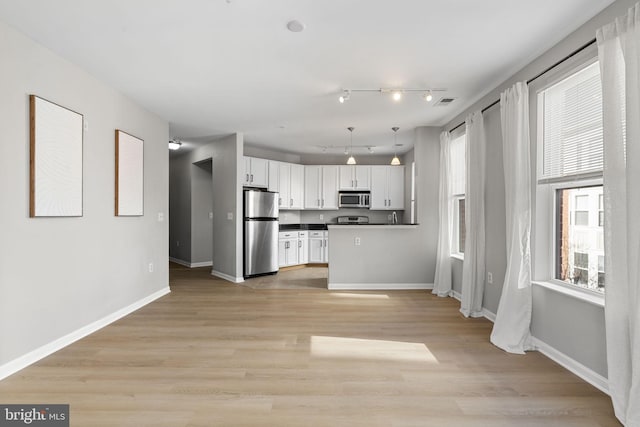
x,y
572,127
458,166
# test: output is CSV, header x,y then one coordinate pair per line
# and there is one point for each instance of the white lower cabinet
x,y
318,247
287,248
302,247
293,248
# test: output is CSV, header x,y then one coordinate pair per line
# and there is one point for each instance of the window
x,y
569,136
581,212
458,175
601,210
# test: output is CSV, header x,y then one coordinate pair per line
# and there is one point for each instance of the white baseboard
x,y
191,264
489,315
593,378
227,277
181,262
47,349
201,264
378,286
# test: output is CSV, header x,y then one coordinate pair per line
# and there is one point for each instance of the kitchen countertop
x,y
290,227
375,224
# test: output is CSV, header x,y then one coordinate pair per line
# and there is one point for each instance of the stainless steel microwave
x,y
354,199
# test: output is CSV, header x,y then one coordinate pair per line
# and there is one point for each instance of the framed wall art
x,y
129,194
55,185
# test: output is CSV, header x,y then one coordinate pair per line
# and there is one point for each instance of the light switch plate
x,y
160,216
230,216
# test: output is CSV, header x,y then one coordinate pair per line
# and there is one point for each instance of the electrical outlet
x,y
490,277
177,242
357,241
321,217
150,267
389,217
230,216
210,215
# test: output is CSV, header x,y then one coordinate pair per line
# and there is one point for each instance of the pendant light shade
x,y
395,161
351,160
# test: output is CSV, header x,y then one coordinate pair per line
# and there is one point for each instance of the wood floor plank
x,y
283,351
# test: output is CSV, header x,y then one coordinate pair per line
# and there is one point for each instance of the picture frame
x,y
129,174
55,160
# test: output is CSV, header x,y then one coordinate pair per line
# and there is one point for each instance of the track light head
x,y
396,95
345,96
174,144
428,96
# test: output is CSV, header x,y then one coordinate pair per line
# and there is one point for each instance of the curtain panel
x,y
442,282
511,330
619,55
473,271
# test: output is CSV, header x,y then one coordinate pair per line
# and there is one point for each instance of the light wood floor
x,y
216,354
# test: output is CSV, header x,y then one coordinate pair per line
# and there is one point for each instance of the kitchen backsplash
x,y
313,217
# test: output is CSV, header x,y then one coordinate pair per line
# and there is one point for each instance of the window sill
x,y
596,300
458,256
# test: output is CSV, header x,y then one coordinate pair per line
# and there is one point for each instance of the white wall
x,y
58,275
573,327
189,211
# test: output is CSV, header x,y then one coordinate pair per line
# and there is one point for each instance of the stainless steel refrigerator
x,y
260,233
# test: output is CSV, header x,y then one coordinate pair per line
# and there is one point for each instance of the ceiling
x,y
215,67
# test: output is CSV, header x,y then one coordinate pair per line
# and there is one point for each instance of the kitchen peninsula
x,y
375,257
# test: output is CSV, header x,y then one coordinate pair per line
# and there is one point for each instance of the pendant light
x,y
395,161
351,160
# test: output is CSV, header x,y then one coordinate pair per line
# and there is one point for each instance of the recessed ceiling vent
x,y
444,102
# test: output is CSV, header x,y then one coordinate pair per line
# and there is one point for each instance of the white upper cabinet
x,y
256,172
354,177
287,179
296,192
387,187
321,187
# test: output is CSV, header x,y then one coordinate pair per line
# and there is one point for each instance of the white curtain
x,y
619,54
474,249
442,281
513,319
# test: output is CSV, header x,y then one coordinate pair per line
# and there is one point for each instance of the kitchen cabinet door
x,y
284,184
378,187
288,252
395,188
329,199
274,174
325,249
296,194
256,172
303,248
346,180
313,187
259,173
316,250
362,177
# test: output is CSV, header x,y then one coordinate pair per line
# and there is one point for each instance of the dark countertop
x,y
378,223
288,227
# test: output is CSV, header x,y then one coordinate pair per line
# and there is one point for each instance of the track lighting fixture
x,y
395,161
174,144
351,160
396,93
